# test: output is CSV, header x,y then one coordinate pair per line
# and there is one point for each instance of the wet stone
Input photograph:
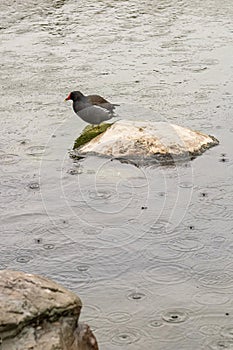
x,y
149,141
37,313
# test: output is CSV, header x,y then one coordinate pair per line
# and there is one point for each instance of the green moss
x,y
89,133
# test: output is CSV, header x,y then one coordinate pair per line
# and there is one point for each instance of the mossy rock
x,y
144,141
89,133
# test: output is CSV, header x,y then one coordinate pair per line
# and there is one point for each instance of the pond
x,y
148,249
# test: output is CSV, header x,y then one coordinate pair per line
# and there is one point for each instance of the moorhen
x,y
93,109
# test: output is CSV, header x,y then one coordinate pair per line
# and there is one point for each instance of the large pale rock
x,y
135,139
37,313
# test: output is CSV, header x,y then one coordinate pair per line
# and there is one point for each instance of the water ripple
x,y
186,244
7,159
167,273
216,279
35,151
119,317
91,312
219,344
211,298
227,332
209,329
175,315
125,336
162,252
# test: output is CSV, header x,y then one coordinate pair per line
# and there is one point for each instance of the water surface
x,y
159,277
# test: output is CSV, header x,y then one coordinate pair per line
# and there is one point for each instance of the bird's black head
x,y
75,96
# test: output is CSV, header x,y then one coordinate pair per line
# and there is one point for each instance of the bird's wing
x,y
100,101
96,99
94,114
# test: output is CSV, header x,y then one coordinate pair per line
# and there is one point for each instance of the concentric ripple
x,y
90,312
10,190
125,336
211,298
92,231
186,184
227,332
23,259
175,315
186,244
219,344
113,237
156,323
162,252
210,329
212,211
136,296
208,255
167,273
101,194
35,151
34,185
165,332
216,279
7,159
49,246
160,228
83,268
119,317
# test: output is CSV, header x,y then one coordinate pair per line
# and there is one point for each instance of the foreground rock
x,y
155,140
39,314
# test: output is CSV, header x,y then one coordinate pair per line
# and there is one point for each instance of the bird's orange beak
x,y
67,98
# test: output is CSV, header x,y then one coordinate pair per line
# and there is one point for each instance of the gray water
x,y
159,277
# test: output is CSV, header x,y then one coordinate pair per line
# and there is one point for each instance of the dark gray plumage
x,y
93,109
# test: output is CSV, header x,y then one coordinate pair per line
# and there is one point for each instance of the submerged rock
x,y
146,140
37,313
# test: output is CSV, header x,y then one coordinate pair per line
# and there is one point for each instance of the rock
x,y
37,313
147,140
89,133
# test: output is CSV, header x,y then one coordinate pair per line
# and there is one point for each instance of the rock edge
x,y
37,313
